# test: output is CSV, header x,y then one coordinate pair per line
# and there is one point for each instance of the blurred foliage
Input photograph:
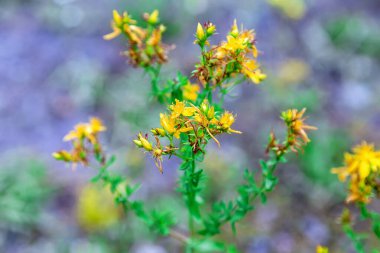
x,y
24,188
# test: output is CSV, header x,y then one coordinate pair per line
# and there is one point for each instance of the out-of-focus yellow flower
x,y
190,91
321,249
152,18
96,209
85,141
358,166
293,71
87,130
293,9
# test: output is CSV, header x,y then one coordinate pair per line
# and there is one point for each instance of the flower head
x,y
236,55
359,165
297,129
84,138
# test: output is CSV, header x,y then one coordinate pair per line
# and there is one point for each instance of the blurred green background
x,y
56,70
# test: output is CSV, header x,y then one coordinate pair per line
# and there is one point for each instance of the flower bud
x,y
138,143
117,18
145,143
62,155
234,29
210,29
152,18
200,35
158,131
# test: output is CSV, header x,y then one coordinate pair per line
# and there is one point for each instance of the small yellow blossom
x,y
226,121
295,121
96,209
117,24
321,249
179,109
252,71
169,124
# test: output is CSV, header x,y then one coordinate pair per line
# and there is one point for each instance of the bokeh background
x,y
56,70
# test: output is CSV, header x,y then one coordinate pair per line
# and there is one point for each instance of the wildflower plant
x,y
362,171
195,117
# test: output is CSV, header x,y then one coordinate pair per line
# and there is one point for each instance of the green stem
x,y
154,72
192,201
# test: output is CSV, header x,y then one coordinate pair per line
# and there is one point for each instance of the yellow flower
x,y
295,121
86,130
362,161
179,109
96,126
96,209
226,121
169,124
190,91
252,71
358,166
117,24
79,132
321,249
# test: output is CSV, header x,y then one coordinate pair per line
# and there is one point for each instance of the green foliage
x,y
23,190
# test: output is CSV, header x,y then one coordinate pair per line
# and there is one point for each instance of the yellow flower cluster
x,y
145,46
361,167
84,138
236,55
198,123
